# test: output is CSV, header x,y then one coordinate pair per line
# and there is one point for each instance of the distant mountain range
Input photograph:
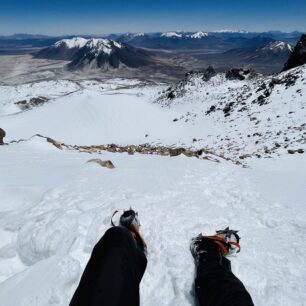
x,y
266,57
227,37
220,40
265,52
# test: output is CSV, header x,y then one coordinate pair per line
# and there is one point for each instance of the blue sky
x,y
59,17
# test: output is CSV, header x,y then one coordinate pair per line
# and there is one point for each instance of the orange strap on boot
x,y
137,236
221,241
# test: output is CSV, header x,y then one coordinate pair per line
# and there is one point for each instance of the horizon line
x,y
154,32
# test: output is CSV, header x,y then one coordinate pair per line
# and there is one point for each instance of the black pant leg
x,y
113,273
216,285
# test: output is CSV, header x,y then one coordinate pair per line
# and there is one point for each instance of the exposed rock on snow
x,y
54,142
245,99
301,151
2,135
148,149
103,163
240,74
298,56
32,102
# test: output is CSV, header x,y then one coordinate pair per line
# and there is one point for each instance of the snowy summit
x,y
278,46
171,35
102,45
230,31
75,42
199,35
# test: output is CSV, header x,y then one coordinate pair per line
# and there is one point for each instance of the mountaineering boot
x,y
129,219
204,250
215,283
215,248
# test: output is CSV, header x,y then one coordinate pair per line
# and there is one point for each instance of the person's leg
x,y
113,273
215,284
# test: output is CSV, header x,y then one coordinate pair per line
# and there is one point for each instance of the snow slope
x,y
257,116
47,234
244,114
95,114
54,206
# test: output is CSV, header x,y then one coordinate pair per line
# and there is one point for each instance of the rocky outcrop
x,y
55,143
178,90
33,102
298,56
239,74
2,135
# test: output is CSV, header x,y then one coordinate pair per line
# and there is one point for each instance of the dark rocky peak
x,y
298,56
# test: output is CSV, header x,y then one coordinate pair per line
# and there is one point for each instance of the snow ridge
x,y
199,35
75,42
230,31
97,45
172,35
278,46
102,45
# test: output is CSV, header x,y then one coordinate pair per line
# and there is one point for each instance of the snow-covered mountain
x,y
76,42
97,53
172,35
103,53
63,49
260,53
230,31
199,35
277,46
193,35
277,51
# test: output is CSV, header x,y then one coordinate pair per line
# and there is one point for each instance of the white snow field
x,y
54,206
